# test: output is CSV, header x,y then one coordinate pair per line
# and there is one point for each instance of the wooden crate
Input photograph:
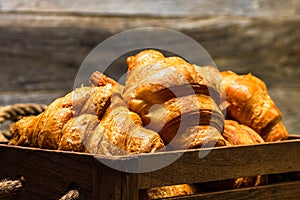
x,y
48,173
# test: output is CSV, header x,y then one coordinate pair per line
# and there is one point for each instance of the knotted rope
x,y
16,112
11,186
71,195
8,187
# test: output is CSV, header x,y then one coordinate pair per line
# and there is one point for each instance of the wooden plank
x,y
287,190
35,72
259,8
47,173
106,183
294,136
222,163
43,169
130,189
50,35
44,97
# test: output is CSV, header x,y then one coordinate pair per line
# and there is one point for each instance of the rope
x,y
16,112
11,186
71,195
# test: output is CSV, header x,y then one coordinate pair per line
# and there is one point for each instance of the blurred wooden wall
x,y
43,43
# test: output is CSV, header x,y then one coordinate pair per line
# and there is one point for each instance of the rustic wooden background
x,y
43,43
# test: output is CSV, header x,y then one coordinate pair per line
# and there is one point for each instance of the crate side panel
x,y
223,163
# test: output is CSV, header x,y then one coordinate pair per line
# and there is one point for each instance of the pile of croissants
x,y
166,103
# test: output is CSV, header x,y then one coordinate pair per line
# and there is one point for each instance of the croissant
x,y
172,96
89,119
249,103
237,134
123,130
45,130
168,191
153,78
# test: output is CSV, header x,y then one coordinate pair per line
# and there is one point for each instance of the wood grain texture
x,y
224,163
106,182
43,43
289,190
259,8
48,173
129,186
40,96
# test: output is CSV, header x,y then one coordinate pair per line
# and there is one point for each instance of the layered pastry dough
x,y
90,119
168,191
174,97
249,103
237,134
166,100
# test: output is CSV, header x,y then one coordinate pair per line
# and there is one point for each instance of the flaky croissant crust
x,y
249,103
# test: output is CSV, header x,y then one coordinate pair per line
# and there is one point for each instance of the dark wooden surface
x,y
106,182
48,173
224,163
289,190
43,43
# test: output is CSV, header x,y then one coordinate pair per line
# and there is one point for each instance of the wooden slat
x,y
106,183
44,96
222,163
129,187
47,173
279,191
261,8
294,136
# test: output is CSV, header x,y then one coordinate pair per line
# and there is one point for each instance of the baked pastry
x,y
89,119
45,130
168,191
173,97
122,132
239,134
249,103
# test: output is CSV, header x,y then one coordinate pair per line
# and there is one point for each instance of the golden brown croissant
x,y
122,132
237,134
171,96
45,130
153,78
72,123
168,191
250,104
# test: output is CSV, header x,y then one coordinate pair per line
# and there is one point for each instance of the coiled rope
x,y
11,186
14,113
71,195
8,187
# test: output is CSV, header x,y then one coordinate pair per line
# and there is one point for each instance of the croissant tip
x,y
99,79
